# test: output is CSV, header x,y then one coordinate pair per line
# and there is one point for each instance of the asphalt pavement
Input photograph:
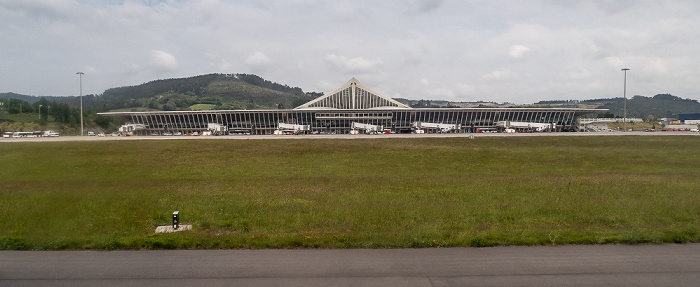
x,y
591,265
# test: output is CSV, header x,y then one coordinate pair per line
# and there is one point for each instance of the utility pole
x,y
80,74
624,95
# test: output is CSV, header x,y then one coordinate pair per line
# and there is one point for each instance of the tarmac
x,y
574,265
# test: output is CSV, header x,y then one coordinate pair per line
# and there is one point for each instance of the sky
x,y
497,51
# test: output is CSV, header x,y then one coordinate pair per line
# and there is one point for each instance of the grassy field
x,y
201,107
360,193
19,117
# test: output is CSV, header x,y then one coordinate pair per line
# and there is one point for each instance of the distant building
x,y
689,118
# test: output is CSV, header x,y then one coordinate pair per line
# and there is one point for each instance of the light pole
x,y
624,95
80,74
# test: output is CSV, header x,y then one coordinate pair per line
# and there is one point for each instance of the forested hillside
x,y
213,91
661,105
658,106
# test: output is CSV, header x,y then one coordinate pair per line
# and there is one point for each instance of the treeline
x,y
16,106
51,115
660,105
565,102
59,112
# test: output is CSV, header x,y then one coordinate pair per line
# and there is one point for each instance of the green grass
x,y
23,117
369,193
201,107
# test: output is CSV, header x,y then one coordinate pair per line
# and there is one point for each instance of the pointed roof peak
x,y
353,95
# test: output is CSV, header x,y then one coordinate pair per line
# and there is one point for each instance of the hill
x,y
29,99
213,91
661,105
658,106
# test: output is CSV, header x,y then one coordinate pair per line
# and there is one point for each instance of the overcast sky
x,y
501,51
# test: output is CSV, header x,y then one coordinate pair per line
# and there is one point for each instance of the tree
x,y
170,106
606,115
43,107
60,112
16,106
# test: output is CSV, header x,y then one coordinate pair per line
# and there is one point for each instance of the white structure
x,y
217,128
368,128
130,129
601,124
50,133
296,129
609,120
353,95
538,127
441,128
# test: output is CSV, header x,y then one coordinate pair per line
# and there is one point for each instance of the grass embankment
x,y
431,192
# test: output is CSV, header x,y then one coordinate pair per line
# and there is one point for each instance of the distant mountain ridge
x,y
27,98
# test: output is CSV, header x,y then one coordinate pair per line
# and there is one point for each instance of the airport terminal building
x,y
353,107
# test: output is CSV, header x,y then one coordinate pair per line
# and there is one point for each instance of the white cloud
x,y
217,63
441,93
258,61
614,62
357,65
517,51
325,86
464,89
423,6
52,10
656,66
130,68
577,73
500,75
162,61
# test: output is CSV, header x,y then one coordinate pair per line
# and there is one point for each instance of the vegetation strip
x,y
379,193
